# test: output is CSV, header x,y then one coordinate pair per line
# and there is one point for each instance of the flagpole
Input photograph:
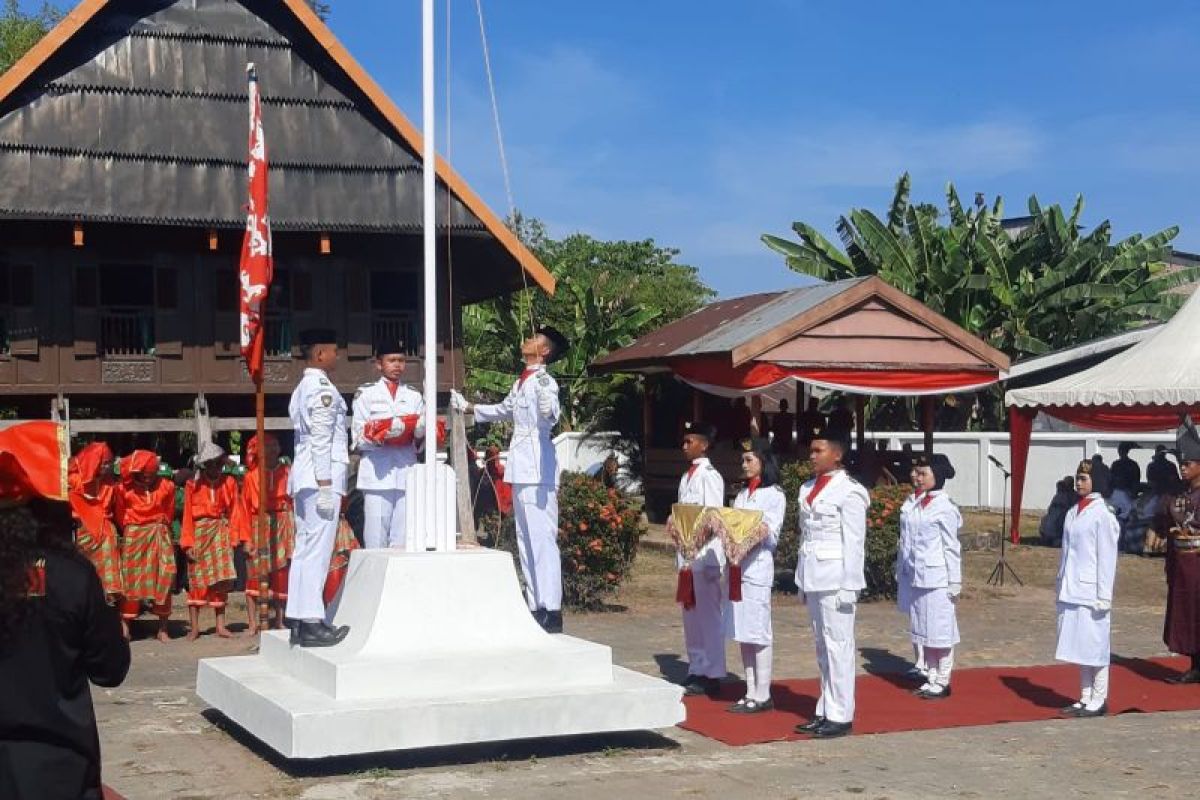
x,y
429,165
264,524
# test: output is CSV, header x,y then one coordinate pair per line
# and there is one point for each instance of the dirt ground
x,y
160,741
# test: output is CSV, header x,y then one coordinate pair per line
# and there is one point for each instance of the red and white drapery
x,y
716,376
256,268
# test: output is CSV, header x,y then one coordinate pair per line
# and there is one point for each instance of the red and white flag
x,y
255,272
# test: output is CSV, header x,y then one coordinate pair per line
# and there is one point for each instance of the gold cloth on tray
x,y
739,529
688,528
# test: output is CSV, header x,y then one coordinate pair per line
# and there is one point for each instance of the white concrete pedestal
x,y
442,650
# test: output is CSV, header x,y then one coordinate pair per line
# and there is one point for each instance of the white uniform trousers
x,y
310,559
536,511
833,632
703,626
383,518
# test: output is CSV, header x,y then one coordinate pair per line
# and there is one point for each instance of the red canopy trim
x,y
759,375
1134,419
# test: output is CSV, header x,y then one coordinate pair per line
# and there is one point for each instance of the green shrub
x,y
598,534
883,534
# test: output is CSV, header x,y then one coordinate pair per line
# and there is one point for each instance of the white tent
x,y
1161,370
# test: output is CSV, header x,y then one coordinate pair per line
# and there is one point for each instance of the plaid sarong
x,y
262,561
343,544
102,551
211,561
148,562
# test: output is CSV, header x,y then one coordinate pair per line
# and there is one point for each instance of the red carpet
x,y
986,696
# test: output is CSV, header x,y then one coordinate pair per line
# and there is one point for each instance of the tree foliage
x,y
321,9
1049,285
609,294
20,31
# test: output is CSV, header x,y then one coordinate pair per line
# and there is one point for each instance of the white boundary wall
x,y
977,483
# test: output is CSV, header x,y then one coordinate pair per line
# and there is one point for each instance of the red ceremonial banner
x,y
255,272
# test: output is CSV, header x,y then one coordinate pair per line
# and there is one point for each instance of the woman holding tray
x,y
751,552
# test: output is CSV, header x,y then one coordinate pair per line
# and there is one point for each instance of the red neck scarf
x,y
525,373
752,486
392,386
818,485
1084,502
926,499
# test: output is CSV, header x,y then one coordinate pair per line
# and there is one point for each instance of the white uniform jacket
x,y
382,466
1088,567
705,487
758,567
531,456
929,553
833,536
318,413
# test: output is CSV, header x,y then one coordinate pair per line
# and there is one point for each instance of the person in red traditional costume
x,y
57,632
93,494
145,508
207,538
1181,630
344,543
270,550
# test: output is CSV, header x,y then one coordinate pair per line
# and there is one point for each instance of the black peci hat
x,y
388,347
559,344
704,429
315,336
1187,441
836,436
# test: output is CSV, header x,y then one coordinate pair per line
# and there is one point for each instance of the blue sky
x,y
704,124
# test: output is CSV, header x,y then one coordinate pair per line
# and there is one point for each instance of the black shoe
x,y
811,725
1071,710
712,686
694,687
539,616
293,626
756,707
832,730
1191,676
1085,713
315,634
339,630
552,622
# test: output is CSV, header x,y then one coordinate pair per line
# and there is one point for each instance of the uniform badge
x,y
322,381
543,379
327,400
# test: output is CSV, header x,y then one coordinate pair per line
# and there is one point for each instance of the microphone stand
x,y
1002,565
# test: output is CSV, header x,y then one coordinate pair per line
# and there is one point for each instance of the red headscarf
x,y
33,462
85,466
138,462
252,449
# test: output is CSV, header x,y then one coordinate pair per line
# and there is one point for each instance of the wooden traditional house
x,y
122,192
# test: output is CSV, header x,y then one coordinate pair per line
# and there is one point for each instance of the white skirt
x,y
904,592
1083,638
932,618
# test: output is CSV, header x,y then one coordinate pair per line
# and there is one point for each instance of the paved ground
x,y
159,741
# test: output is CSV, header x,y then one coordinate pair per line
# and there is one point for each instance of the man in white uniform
x,y
703,628
388,429
533,408
317,484
829,575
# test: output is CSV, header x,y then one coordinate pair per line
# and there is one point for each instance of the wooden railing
x,y
126,332
277,336
389,327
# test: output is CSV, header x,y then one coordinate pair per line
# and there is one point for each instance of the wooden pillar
x,y
647,421
860,421
927,422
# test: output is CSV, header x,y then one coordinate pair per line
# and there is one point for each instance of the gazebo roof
x,y
860,334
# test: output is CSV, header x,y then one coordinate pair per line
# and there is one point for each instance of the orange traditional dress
x,y
263,559
344,543
147,554
96,536
208,538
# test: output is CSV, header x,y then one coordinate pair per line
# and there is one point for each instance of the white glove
x,y
419,428
954,591
458,402
397,429
846,598
326,502
1102,606
545,403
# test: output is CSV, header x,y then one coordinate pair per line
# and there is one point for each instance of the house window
x,y
395,299
16,295
126,305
